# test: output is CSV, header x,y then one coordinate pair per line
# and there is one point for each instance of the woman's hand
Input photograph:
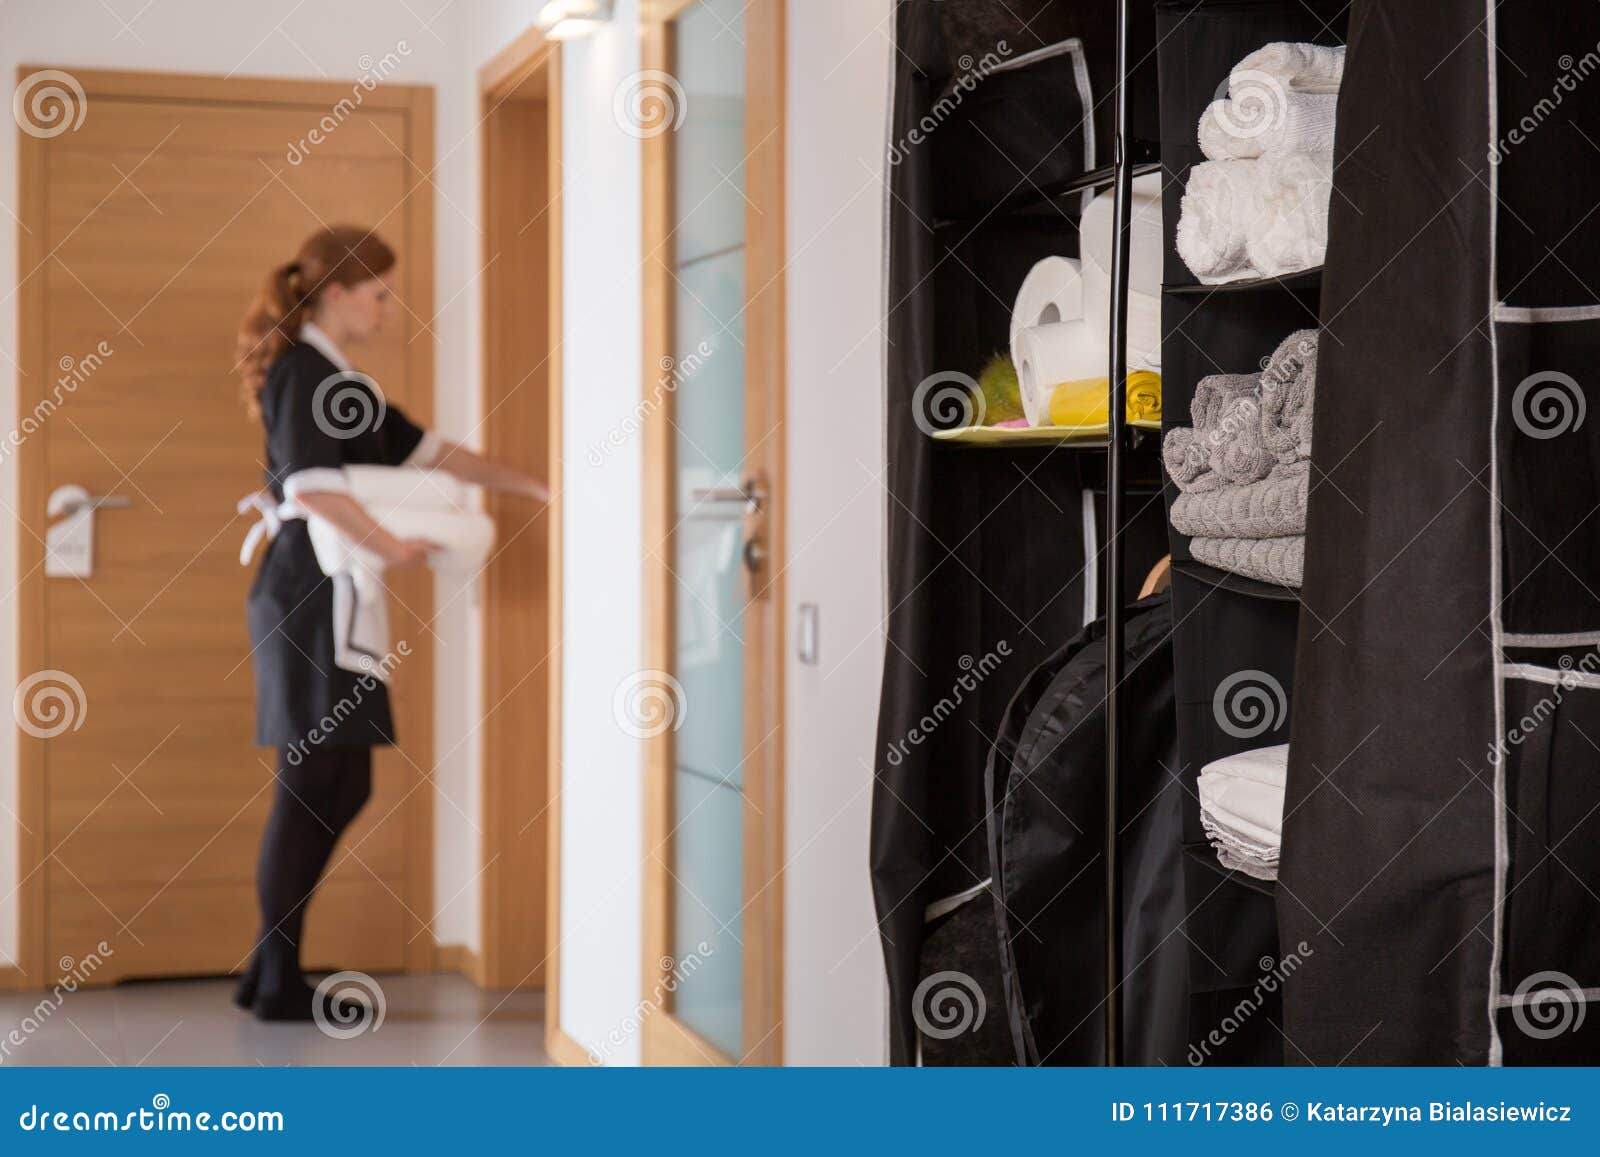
x,y
406,553
470,466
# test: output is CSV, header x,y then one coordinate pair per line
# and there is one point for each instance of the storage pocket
x,y
1552,893
1549,446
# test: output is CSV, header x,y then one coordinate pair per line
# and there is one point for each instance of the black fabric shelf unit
x,y
1206,857
1305,279
1435,863
984,547
1234,583
1227,627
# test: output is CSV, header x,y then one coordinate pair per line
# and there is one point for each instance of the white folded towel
x,y
1302,67
1218,205
1241,808
1265,121
407,503
1255,218
1289,229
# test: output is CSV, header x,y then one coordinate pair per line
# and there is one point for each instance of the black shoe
x,y
301,1002
295,1002
244,993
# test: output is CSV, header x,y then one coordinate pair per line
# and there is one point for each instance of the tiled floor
x,y
428,1020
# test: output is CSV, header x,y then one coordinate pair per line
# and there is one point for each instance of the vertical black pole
x,y
1121,207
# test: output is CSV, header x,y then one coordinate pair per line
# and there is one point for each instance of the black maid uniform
x,y
302,696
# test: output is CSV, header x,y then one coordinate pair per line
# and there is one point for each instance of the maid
x,y
324,718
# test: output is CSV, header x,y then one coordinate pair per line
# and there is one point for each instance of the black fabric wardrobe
x,y
1441,844
1232,635
984,547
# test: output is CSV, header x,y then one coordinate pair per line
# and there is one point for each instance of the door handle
x,y
71,499
751,495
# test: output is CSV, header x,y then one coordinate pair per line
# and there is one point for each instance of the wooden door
x,y
145,230
709,704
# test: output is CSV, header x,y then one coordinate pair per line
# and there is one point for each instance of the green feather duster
x,y
1002,393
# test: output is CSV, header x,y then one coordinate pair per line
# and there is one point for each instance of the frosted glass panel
x,y
708,539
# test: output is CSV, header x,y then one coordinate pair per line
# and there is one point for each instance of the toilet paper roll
x,y
1051,293
1145,238
1145,249
1048,355
1144,317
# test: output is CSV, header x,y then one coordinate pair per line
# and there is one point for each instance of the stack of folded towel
x,y
1243,470
1241,808
1258,205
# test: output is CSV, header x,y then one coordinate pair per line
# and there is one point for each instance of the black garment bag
x,y
1046,783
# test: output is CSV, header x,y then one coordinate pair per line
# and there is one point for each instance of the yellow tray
x,y
1033,435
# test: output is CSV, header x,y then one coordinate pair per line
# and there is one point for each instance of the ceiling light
x,y
565,19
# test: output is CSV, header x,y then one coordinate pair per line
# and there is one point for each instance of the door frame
x,y
520,719
666,1039
415,241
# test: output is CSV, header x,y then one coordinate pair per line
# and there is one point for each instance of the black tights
x,y
317,796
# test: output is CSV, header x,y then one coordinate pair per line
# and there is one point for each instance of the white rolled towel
x,y
1219,203
1267,119
1302,67
1288,230
407,503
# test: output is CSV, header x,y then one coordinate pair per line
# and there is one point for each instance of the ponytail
x,y
339,255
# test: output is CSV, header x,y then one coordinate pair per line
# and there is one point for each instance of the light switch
x,y
806,644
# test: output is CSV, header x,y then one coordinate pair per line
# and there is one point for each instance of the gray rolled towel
x,y
1281,561
1184,459
1288,387
1225,443
1217,397
1274,507
1244,457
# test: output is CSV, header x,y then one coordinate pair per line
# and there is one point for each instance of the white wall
x,y
310,41
839,53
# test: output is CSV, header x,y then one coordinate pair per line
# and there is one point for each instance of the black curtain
x,y
1440,836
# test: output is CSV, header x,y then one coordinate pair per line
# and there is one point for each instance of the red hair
x,y
338,255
